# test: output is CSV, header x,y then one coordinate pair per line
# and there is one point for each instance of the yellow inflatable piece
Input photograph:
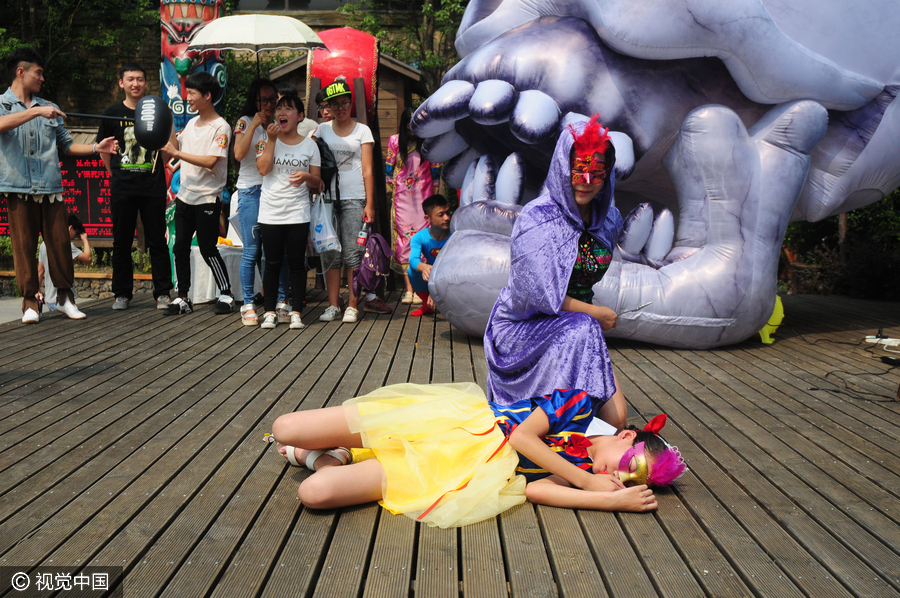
x,y
774,322
446,462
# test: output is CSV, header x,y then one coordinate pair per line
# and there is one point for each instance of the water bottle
x,y
363,235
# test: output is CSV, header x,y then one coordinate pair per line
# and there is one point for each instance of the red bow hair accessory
x,y
593,139
656,424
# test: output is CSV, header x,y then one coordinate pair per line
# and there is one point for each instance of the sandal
x,y
344,455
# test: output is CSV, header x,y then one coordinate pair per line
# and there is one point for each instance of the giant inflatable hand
x,y
496,119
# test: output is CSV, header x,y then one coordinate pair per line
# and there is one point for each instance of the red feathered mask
x,y
593,139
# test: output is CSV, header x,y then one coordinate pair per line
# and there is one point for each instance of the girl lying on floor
x,y
445,456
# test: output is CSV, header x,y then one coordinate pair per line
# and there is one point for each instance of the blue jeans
x,y
248,214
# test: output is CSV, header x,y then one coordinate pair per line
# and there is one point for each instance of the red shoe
x,y
425,309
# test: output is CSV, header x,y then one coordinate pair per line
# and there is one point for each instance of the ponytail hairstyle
x,y
403,141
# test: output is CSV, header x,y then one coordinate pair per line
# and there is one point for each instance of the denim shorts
x,y
350,218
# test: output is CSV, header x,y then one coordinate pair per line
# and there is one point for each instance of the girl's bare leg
x,y
615,410
333,282
333,487
354,300
316,429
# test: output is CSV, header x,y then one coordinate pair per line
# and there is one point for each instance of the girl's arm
x,y
369,180
604,315
555,492
527,439
244,139
265,162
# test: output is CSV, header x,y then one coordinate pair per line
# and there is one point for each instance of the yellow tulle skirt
x,y
446,462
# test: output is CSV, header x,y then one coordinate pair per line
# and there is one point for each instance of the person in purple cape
x,y
544,332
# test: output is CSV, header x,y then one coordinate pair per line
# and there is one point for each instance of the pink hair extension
x,y
667,467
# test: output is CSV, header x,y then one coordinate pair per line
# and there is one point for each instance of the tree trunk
x,y
843,247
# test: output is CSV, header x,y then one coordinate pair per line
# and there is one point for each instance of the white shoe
x,y
332,313
31,317
296,322
350,315
269,321
71,310
407,298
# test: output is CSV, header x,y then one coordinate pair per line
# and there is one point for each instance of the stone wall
x,y
86,288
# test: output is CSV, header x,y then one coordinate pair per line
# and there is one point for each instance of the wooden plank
x,y
574,569
528,568
212,470
348,553
481,561
147,514
774,525
670,574
390,566
734,556
437,567
621,570
793,428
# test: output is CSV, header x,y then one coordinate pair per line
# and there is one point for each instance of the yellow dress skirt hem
x,y
446,463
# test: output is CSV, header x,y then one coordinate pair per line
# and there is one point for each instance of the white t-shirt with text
x,y
280,202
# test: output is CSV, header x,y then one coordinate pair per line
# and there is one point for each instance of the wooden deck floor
x,y
133,439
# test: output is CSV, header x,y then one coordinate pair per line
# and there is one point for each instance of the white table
x,y
203,285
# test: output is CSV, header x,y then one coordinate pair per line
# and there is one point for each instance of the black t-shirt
x,y
132,167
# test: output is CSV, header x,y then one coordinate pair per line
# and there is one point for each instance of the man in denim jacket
x,y
31,137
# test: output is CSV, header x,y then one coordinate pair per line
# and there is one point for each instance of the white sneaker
x,y
283,311
269,321
332,313
407,298
296,322
31,317
71,310
350,315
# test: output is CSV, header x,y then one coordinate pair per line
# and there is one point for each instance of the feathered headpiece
x,y
667,465
592,139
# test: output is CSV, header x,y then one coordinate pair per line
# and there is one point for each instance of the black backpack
x,y
329,169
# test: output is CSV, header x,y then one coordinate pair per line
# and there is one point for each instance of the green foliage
x,y
6,255
870,266
141,261
68,33
428,30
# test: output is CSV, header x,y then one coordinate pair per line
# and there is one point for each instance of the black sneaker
x,y
180,306
225,304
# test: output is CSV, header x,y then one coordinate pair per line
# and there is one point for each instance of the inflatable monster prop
x,y
731,119
180,20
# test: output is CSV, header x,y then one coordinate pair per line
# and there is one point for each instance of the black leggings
x,y
275,239
204,220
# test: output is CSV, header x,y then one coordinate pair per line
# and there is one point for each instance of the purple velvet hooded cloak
x,y
531,346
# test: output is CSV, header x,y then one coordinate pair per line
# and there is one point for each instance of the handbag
x,y
323,226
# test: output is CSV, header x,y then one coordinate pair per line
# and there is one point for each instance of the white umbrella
x,y
255,33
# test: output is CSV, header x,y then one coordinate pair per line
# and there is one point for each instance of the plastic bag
x,y
323,226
